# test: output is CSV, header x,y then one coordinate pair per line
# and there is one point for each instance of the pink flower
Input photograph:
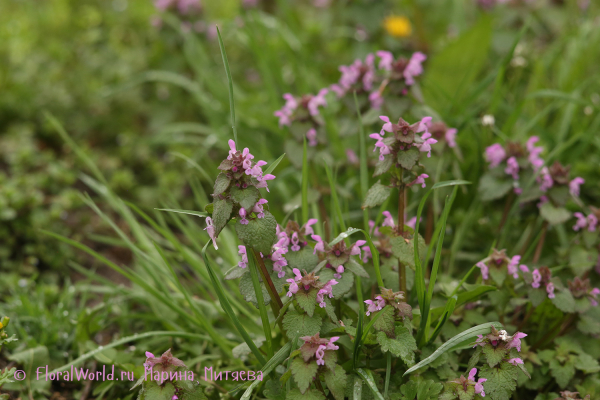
x,y
413,222
523,268
242,252
581,221
516,341
426,145
352,157
162,5
534,153
450,137
311,135
355,251
420,180
308,230
367,253
545,180
369,74
387,127
376,99
512,266
210,229
258,208
388,221
326,290
295,242
515,361
320,246
292,281
232,149
286,112
594,296
592,222
243,221
374,306
550,290
383,148
543,200
279,261
478,384
495,154
316,101
537,278
149,355
512,167
386,60
414,67
484,270
339,271
574,186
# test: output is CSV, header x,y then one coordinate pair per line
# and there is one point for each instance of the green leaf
x,y
501,381
564,301
494,355
498,275
587,364
582,260
156,392
421,390
492,188
343,235
403,346
195,213
554,215
384,165
259,233
221,214
376,195
457,342
408,158
405,251
385,321
303,259
221,183
297,325
367,376
274,390
356,268
307,300
311,394
303,373
563,373
447,313
336,382
245,197
247,291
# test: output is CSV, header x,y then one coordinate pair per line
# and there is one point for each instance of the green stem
x,y
388,373
261,303
401,266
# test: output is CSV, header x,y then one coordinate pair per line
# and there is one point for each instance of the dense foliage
x,y
321,199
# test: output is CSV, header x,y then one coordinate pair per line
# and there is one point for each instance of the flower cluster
x,y
309,282
518,159
440,131
364,77
381,239
394,299
499,260
463,384
190,13
590,222
542,277
581,288
315,346
303,110
501,341
294,234
236,191
338,254
276,256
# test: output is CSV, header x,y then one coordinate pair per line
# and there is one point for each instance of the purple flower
x,y
308,230
369,74
478,384
383,148
339,271
516,341
293,289
414,67
550,290
387,127
258,208
311,135
594,296
162,5
420,180
316,101
243,221
495,154
413,222
186,6
574,186
376,99
515,361
388,221
355,251
484,270
512,266
242,252
320,246
326,290
295,242
512,167
592,222
352,157
279,261
286,112
426,145
320,353
374,306
386,60
210,229
450,137
534,153
545,180
537,278
523,268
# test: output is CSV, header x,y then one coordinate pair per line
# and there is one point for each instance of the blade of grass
x,y
230,80
334,198
261,303
364,175
274,164
450,304
227,308
305,183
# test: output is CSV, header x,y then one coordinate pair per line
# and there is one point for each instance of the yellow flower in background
x,y
397,26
